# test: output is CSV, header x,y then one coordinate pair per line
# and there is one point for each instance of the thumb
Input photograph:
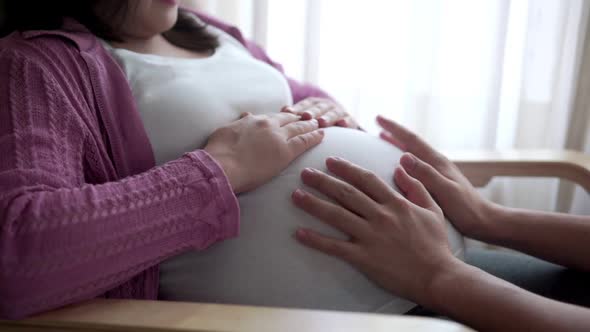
x,y
413,189
434,182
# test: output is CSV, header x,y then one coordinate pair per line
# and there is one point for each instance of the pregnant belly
x,y
266,266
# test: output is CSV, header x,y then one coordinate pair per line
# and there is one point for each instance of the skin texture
x,y
556,237
327,112
254,149
399,241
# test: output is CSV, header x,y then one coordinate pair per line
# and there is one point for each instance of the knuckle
x,y
383,214
304,139
304,126
404,205
367,176
345,192
263,123
314,110
441,161
322,105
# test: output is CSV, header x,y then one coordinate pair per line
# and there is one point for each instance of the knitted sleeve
x,y
63,240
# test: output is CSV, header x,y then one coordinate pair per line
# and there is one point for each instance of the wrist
x,y
227,165
447,283
493,223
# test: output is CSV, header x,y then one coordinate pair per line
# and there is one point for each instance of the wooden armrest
x,y
481,166
134,315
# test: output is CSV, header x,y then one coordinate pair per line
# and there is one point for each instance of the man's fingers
x,y
345,194
434,182
366,181
413,189
333,247
331,214
385,135
408,141
300,127
301,143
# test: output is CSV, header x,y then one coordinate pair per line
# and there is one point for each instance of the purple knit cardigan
x,y
84,212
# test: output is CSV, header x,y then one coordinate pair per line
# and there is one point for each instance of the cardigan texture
x,y
84,211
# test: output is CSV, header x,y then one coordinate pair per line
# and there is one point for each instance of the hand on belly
x,y
266,266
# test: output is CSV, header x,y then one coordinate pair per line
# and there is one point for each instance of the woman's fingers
x,y
345,194
310,108
342,249
347,122
301,143
414,190
330,118
435,182
366,181
283,119
300,127
330,213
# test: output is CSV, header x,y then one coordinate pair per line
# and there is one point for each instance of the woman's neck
x,y
158,45
149,45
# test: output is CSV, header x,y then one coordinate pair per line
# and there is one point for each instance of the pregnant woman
x,y
121,150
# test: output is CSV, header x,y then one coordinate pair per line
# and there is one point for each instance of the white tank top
x,y
181,102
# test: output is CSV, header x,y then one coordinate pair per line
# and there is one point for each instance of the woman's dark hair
x,y
23,15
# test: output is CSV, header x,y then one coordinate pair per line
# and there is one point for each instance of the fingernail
x,y
408,161
310,170
314,122
298,194
301,232
332,158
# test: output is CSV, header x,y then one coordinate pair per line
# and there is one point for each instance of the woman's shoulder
x,y
61,49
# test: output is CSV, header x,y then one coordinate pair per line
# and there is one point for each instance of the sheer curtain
x,y
486,74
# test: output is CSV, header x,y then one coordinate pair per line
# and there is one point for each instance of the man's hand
x,y
399,242
471,213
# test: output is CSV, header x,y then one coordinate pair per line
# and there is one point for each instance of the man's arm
x,y
556,237
487,303
387,231
559,238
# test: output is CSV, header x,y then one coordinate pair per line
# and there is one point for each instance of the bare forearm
x,y
556,237
487,303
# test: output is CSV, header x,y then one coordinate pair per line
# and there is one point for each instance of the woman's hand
x,y
326,111
399,242
256,148
472,214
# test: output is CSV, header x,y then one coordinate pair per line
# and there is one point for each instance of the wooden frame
x,y
132,315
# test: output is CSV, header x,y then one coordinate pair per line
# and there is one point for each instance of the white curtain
x,y
486,74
